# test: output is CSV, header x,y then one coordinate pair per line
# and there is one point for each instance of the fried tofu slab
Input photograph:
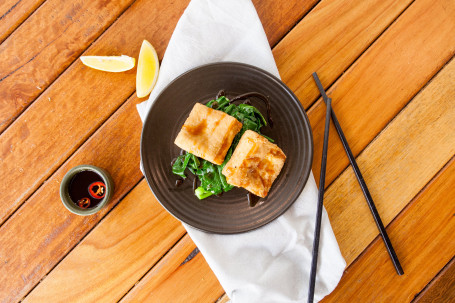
x,y
208,133
255,164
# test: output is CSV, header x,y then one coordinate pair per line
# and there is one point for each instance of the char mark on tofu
x,y
208,133
255,164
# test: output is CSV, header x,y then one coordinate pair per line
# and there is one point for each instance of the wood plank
x,y
18,152
40,234
396,165
29,61
44,45
33,147
123,255
223,299
359,194
408,153
13,13
424,231
441,289
375,88
281,16
57,231
329,39
172,281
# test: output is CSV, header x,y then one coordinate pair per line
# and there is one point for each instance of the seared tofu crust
x,y
208,133
255,164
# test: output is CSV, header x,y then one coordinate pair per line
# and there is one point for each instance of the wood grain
x,y
424,232
57,137
13,13
42,232
406,155
396,165
122,247
380,83
329,39
44,45
33,57
49,132
279,17
57,249
57,231
223,299
442,288
170,281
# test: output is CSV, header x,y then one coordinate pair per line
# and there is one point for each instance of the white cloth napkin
x,y
272,263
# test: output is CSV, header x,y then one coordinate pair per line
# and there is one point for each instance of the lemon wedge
x,y
109,63
147,69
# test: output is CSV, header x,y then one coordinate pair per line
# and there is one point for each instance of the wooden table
x,y
390,71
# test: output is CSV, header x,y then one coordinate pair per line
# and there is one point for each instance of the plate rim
x,y
306,173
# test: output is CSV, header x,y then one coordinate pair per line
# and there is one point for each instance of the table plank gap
x,y
11,17
75,75
309,9
29,278
94,92
223,299
421,229
123,254
327,86
408,152
83,237
329,40
422,116
57,231
376,81
85,140
33,58
441,288
194,279
164,255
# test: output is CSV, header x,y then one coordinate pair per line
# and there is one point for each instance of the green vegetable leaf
x,y
201,193
180,165
213,182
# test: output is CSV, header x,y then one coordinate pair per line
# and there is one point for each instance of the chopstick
x,y
317,228
366,192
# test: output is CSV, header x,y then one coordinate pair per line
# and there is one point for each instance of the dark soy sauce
x,y
261,97
221,93
79,188
252,199
194,183
179,182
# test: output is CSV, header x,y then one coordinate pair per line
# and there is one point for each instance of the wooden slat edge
x,y
173,280
396,165
122,255
15,13
19,223
43,47
383,80
422,230
441,289
25,260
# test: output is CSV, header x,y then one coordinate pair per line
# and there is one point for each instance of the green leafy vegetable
x,y
213,182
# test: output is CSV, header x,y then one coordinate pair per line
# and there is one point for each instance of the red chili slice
x,y
97,190
83,203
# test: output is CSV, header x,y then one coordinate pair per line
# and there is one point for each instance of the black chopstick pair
x,y
366,192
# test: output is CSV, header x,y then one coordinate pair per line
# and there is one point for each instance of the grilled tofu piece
x,y
208,133
255,164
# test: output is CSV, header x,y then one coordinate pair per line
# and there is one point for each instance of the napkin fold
x,y
272,263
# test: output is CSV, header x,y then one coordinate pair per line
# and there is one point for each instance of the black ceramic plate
x,y
229,213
